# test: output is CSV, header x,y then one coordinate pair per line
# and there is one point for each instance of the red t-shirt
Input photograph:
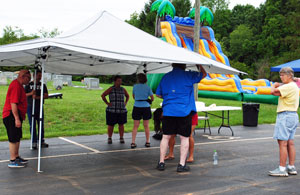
x,y
15,94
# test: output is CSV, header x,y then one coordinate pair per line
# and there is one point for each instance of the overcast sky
x,y
32,15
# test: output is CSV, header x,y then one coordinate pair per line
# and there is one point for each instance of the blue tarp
x,y
295,65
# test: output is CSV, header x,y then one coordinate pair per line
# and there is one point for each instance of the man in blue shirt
x,y
177,91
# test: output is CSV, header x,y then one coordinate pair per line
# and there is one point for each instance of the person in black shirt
x,y
36,94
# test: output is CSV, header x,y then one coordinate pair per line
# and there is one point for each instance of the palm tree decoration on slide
x,y
205,15
163,7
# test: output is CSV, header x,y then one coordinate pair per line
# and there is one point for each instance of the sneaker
x,y
15,164
34,146
291,171
44,145
278,173
160,166
22,160
184,168
122,140
109,140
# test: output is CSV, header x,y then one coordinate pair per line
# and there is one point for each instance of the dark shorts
x,y
139,113
116,118
14,134
177,125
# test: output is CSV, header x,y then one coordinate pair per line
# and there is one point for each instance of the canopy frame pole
x,y
33,109
44,57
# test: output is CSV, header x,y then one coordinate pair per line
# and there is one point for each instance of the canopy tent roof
x,y
105,45
295,65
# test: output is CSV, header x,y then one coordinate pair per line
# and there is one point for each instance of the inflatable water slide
x,y
179,32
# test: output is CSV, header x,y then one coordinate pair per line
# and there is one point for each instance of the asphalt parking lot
x,y
88,165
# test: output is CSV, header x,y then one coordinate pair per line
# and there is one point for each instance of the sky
x,y
33,15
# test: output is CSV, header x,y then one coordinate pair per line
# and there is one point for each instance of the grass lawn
x,y
82,112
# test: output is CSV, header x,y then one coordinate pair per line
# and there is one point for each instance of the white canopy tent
x,y
103,45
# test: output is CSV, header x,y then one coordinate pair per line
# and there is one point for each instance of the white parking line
x,y
55,156
94,151
78,144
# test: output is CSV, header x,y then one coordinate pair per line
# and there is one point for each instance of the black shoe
x,y
184,168
133,145
160,166
44,145
34,146
109,140
122,141
22,160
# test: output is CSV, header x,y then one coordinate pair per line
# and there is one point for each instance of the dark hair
x,y
117,77
141,78
27,71
179,65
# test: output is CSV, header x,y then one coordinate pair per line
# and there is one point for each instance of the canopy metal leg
x,y
41,116
33,109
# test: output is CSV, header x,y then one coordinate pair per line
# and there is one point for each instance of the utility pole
x,y
196,38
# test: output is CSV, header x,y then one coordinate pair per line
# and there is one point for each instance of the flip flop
x,y
169,158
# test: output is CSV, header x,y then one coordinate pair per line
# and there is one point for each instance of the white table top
x,y
209,109
217,108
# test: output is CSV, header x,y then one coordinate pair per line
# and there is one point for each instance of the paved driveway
x,y
87,165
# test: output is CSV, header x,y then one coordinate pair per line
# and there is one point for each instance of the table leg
x,y
223,125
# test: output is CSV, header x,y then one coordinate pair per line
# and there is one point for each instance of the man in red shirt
x,y
13,115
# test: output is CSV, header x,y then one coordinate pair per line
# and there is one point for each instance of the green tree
x,y
273,30
292,40
223,27
215,5
145,20
134,20
248,15
14,34
49,34
182,7
242,45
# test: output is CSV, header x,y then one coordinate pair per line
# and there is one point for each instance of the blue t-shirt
x,y
141,92
176,89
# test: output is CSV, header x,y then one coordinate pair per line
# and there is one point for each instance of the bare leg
x,y
121,130
110,130
14,150
164,147
147,130
136,125
191,146
291,152
184,147
171,148
283,152
17,150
